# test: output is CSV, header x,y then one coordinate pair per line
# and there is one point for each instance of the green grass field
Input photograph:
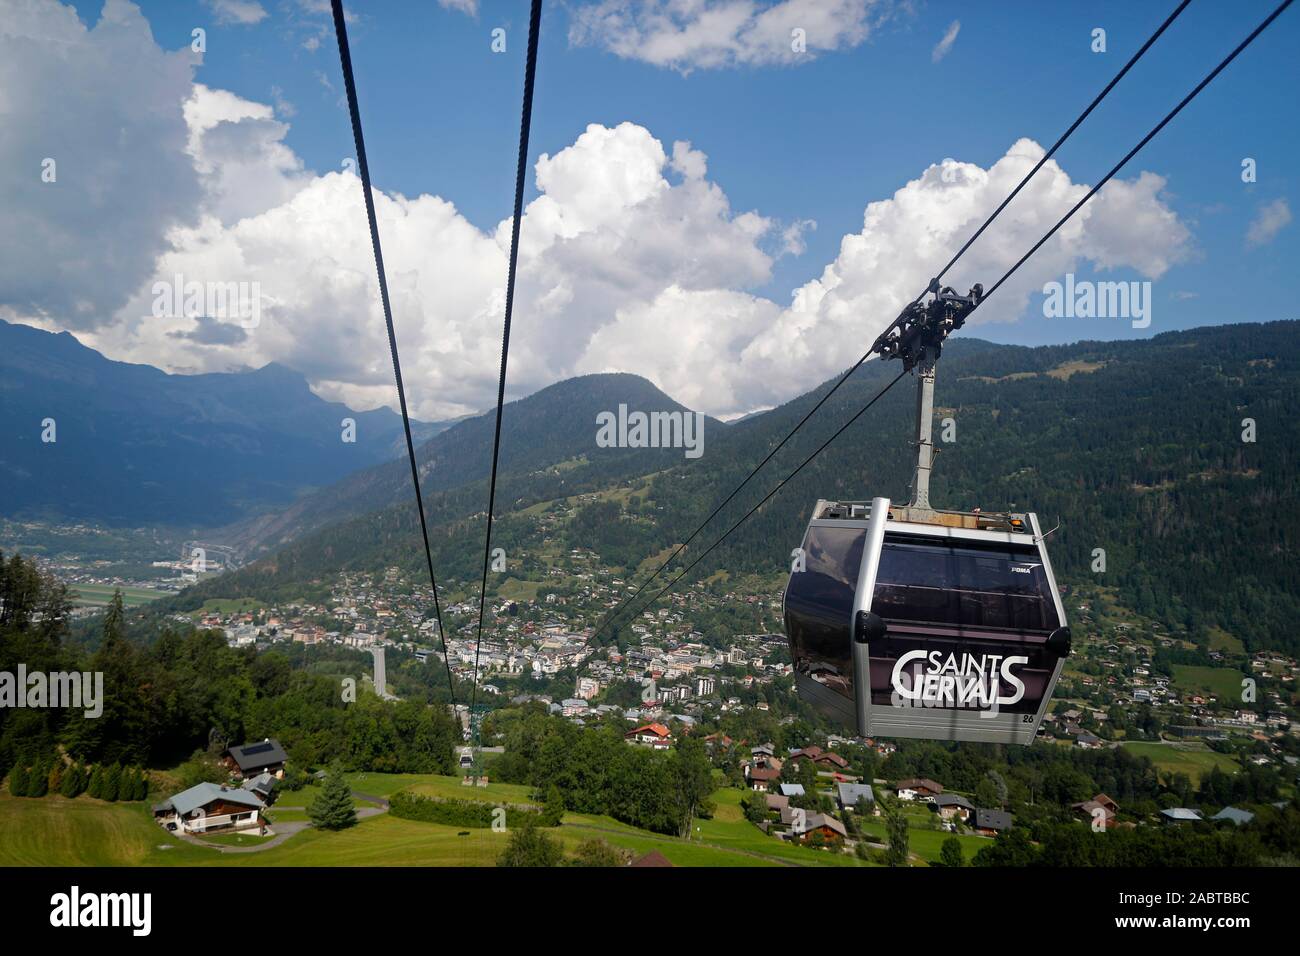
x,y
730,829
54,831
236,839
924,842
514,589
1222,682
1221,640
98,595
1192,759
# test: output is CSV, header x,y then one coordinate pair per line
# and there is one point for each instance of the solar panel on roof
x,y
258,748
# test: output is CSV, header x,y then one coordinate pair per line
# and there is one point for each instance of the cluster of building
x,y
233,806
680,676
1117,672
766,773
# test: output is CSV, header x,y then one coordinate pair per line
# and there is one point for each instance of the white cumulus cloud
x,y
631,257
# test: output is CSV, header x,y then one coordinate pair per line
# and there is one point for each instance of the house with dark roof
x,y
263,785
950,805
762,779
918,788
991,822
821,758
249,760
852,795
825,824
777,802
208,807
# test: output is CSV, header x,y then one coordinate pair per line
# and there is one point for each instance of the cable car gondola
x,y
909,621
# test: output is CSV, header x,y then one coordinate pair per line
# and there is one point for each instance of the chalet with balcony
x,y
208,808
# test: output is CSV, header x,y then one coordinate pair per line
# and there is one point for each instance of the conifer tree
x,y
96,786
112,781
333,809
36,786
71,785
18,781
141,789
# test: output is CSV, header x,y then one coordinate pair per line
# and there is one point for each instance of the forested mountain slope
x,y
1136,447
549,428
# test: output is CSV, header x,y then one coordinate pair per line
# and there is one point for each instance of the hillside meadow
x,y
55,831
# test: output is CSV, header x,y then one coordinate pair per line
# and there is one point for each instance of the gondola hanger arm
x,y
1043,536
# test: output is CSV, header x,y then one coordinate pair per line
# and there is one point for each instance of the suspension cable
x,y
345,55
1074,209
856,365
525,123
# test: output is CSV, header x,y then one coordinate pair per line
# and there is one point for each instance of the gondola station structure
x,y
912,621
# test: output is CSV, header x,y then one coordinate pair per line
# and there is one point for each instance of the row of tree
x,y
111,783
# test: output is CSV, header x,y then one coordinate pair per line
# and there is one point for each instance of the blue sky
x,y
816,141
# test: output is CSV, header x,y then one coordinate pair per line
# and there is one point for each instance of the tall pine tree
x,y
72,782
18,781
112,782
333,809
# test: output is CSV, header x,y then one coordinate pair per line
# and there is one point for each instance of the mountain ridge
x,y
565,411
135,445
1136,446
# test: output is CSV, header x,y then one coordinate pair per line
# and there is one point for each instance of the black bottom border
x,y
279,905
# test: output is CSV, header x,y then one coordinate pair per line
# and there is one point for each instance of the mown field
x,y
923,840
55,831
98,595
1223,682
1192,759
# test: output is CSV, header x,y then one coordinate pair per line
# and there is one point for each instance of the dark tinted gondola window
x,y
819,602
939,582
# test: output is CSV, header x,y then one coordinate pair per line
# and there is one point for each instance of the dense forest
x,y
187,691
